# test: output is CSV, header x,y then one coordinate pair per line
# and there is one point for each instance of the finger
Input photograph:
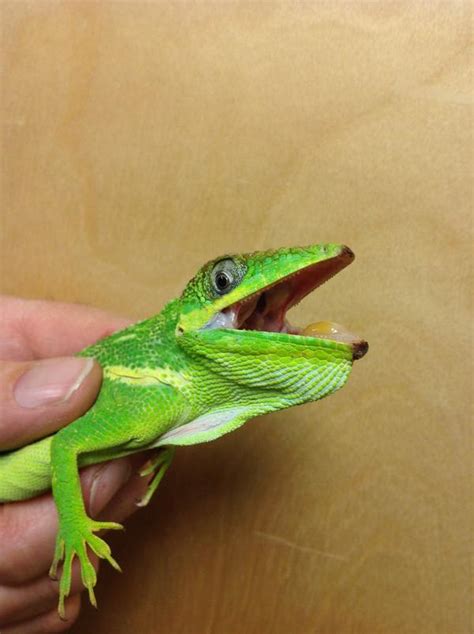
x,y
50,622
124,502
39,397
119,504
18,603
34,329
28,528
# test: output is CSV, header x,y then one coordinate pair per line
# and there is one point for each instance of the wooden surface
x,y
139,140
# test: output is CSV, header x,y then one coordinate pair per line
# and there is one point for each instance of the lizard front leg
x,y
106,432
76,529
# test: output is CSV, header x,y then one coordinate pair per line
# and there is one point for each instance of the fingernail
x,y
106,482
51,381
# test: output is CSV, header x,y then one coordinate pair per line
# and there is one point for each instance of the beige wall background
x,y
141,139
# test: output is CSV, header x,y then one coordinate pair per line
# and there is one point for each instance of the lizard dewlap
x,y
220,354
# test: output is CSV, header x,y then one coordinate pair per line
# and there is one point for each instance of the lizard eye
x,y
225,276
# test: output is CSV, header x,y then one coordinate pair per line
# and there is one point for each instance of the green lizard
x,y
219,355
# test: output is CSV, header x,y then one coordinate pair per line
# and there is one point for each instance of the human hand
x,y
43,388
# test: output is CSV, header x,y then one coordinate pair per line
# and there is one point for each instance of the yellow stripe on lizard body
x,y
146,376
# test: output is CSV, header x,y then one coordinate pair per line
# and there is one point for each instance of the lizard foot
x,y
158,466
72,542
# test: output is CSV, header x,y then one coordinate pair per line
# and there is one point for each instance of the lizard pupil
x,y
222,281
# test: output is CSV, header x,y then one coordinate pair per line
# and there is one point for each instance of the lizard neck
x,y
148,343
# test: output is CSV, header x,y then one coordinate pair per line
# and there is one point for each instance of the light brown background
x,y
141,139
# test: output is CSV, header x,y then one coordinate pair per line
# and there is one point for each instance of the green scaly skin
x,y
182,377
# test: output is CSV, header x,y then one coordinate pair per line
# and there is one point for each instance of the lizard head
x,y
233,316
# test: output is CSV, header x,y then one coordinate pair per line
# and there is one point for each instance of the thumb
x,y
39,397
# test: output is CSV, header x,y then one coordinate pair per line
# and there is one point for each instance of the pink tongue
x,y
330,330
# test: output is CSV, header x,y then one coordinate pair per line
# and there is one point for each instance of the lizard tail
x,y
25,472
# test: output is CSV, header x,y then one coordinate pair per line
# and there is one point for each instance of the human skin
x,y
43,387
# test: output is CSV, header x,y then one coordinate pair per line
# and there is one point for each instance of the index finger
x,y
36,329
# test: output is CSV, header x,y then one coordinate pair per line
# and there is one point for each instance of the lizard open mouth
x,y
266,309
